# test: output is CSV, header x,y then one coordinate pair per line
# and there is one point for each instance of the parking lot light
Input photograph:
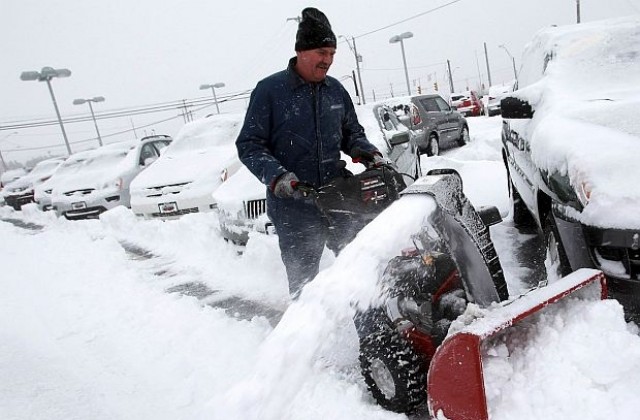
x,y
399,38
45,75
93,116
513,61
213,89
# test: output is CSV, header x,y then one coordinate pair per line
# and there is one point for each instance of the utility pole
x,y
355,86
358,60
450,77
481,85
578,10
486,58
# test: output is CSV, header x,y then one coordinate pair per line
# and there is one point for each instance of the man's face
x,y
313,65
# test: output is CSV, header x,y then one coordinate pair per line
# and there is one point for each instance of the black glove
x,y
369,159
285,185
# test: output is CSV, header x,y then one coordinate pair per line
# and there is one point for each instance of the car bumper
x,y
89,206
171,206
18,200
614,251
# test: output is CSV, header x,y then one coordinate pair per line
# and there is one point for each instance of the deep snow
x,y
90,330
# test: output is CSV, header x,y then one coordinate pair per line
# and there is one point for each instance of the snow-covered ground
x,y
121,318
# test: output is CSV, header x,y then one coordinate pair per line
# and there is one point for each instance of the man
x,y
297,122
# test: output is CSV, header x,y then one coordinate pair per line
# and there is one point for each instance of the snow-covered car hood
x,y
174,169
586,123
199,153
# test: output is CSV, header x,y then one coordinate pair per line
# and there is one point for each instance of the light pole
x,y
399,38
4,165
93,116
45,75
213,89
358,58
513,61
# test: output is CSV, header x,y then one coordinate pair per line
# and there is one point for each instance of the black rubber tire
x,y
555,249
394,373
522,217
464,136
433,147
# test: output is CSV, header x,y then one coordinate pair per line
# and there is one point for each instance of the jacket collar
x,y
296,80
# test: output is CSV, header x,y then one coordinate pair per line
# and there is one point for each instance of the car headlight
x,y
582,187
116,183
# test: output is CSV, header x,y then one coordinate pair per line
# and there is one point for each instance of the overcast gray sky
x,y
137,53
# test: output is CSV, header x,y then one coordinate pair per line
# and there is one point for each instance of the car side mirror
x,y
516,108
399,138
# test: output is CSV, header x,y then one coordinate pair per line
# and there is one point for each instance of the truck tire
x,y
521,215
394,373
556,263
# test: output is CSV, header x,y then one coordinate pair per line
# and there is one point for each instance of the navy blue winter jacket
x,y
301,127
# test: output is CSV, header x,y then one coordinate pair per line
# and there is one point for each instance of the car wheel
x,y
556,262
464,136
394,373
521,215
433,148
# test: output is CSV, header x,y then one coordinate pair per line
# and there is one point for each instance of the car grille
x,y
628,257
176,213
161,190
254,208
84,191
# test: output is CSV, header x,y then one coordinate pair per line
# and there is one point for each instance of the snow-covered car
x,y
101,181
11,175
242,199
571,142
21,191
494,96
188,172
42,192
8,177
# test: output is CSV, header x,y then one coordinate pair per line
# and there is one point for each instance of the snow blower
x,y
409,355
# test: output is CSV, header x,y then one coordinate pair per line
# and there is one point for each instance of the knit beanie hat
x,y
314,31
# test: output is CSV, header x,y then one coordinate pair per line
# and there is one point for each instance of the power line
x,y
408,19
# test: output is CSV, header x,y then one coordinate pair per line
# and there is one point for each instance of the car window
x,y
148,151
443,105
429,104
160,145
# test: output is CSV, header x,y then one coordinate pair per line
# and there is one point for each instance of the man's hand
x,y
368,159
285,185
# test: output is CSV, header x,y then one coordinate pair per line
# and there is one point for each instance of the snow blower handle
x,y
368,159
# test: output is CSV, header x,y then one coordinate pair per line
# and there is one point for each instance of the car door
x,y
435,119
518,156
403,155
452,127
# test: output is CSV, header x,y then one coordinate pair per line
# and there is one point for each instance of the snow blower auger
x,y
408,354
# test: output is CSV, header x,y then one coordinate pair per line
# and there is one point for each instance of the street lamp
x,y
513,61
358,58
399,38
213,89
45,75
4,165
93,116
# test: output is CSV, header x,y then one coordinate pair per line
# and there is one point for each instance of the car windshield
x,y
44,168
106,159
457,97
